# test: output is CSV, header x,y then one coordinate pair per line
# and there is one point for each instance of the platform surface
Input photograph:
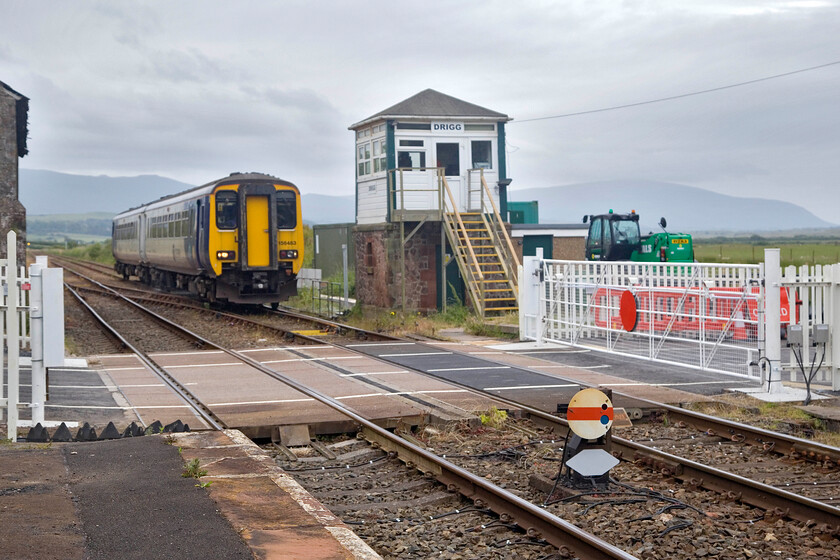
x,y
127,499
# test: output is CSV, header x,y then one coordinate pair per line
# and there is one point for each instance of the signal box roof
x,y
429,104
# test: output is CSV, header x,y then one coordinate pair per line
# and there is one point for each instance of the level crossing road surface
x,y
544,377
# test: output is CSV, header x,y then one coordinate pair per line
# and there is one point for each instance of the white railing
x,y
14,330
703,316
815,292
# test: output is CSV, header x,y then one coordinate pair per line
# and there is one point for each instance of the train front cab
x,y
252,241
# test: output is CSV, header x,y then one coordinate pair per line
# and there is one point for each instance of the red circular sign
x,y
629,311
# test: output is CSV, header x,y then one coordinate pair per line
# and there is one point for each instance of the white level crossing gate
x,y
697,315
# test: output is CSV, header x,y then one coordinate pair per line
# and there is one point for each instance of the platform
x,y
127,499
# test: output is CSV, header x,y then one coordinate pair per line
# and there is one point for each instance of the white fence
x,y
815,293
697,315
14,330
704,316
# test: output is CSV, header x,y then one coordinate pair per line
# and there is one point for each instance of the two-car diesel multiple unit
x,y
238,239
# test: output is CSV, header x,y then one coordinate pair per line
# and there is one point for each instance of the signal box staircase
x,y
484,252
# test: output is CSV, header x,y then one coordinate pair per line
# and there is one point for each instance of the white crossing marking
x,y
530,387
226,364
115,407
728,382
554,352
281,401
469,368
200,353
371,373
415,354
325,358
381,344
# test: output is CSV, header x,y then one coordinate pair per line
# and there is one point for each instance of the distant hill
x,y
687,209
49,194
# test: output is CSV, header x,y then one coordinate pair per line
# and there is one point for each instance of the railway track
x,y
710,431
570,541
722,434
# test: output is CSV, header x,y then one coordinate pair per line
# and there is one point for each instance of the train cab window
x,y
227,209
286,210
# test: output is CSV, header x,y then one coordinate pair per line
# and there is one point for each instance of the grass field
x,y
796,254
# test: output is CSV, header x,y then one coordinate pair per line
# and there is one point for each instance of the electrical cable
x,y
560,471
673,97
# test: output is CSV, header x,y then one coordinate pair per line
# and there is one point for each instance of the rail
x,y
201,409
748,491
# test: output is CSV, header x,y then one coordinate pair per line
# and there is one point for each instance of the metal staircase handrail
x,y
478,299
508,256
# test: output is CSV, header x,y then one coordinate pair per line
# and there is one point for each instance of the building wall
x,y
563,248
379,266
12,212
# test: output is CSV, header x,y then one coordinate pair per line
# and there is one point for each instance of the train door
x,y
258,226
256,210
141,236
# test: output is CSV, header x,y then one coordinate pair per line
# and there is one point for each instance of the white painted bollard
x,y
772,317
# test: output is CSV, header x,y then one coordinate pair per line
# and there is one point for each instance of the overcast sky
x,y
193,90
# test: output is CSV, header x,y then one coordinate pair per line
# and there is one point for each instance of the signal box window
x,y
227,209
411,159
363,159
481,158
286,210
448,157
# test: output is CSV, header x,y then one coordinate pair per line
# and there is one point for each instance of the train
x,y
238,239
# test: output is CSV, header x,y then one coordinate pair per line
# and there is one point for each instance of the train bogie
x,y
238,239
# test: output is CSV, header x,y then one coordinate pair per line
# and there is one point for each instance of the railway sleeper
x,y
668,468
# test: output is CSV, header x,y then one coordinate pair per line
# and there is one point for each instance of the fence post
x,y
772,317
540,295
833,273
346,285
12,337
36,314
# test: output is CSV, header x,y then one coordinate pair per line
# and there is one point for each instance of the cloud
x,y
197,89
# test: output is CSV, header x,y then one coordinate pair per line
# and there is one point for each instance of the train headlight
x,y
288,254
226,255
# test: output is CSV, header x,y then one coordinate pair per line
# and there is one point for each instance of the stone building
x,y
14,109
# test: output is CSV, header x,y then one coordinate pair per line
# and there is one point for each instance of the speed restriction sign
x,y
590,414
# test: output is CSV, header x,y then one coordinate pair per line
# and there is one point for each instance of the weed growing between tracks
x,y
778,417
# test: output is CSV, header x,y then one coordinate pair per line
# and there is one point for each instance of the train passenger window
x,y
227,209
286,210
481,158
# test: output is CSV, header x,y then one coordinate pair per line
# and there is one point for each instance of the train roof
x,y
233,178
